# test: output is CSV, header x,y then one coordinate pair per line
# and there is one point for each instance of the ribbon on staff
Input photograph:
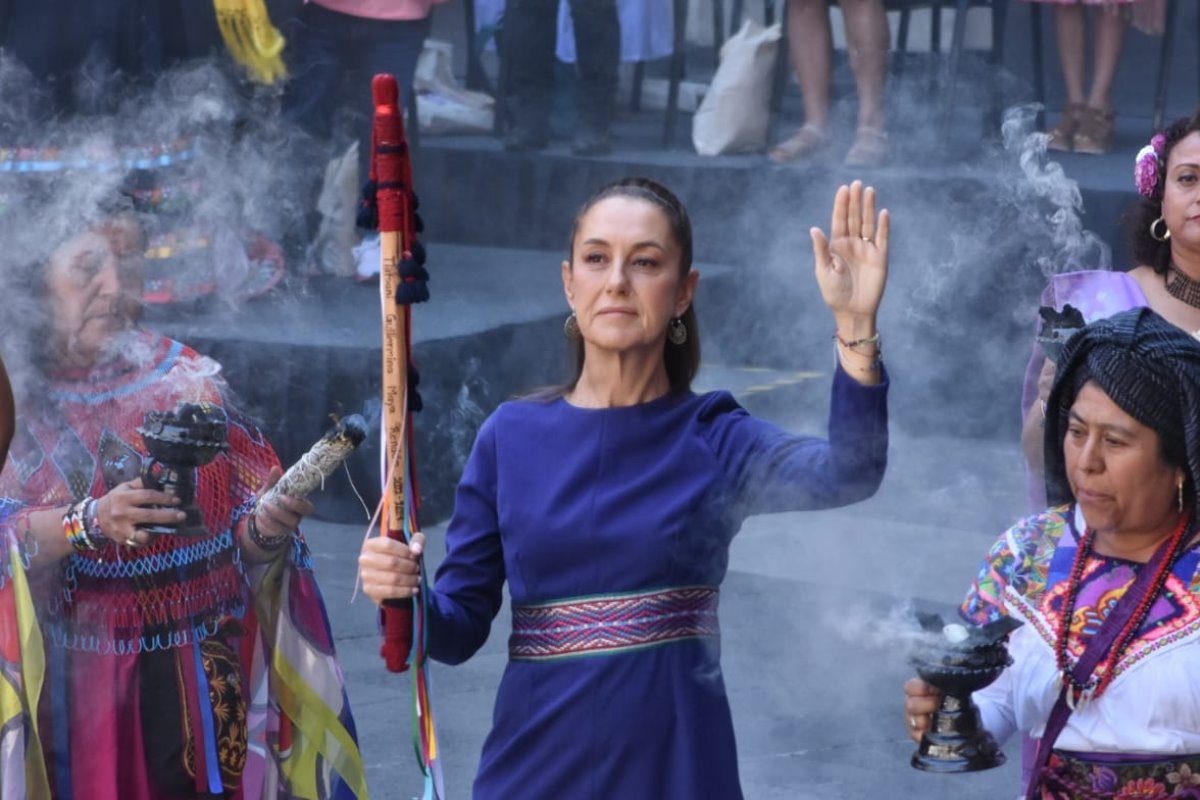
x,y
390,204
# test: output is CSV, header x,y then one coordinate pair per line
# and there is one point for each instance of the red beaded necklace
x,y
1096,686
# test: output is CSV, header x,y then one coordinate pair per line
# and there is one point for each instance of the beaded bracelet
x,y
91,520
265,542
75,527
854,344
876,357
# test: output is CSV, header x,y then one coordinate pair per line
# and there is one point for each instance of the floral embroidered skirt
x,y
1111,776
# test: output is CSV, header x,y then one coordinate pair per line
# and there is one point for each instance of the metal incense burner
x,y
962,661
178,442
1057,328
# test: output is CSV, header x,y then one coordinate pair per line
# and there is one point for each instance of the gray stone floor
x,y
814,683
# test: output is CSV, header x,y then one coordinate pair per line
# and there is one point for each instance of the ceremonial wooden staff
x,y
391,203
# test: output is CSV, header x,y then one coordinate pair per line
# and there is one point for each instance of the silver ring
x,y
867,239
912,723
131,542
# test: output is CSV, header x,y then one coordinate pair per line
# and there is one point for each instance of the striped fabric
x,y
599,625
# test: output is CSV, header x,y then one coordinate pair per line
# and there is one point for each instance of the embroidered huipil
x,y
598,508
1152,706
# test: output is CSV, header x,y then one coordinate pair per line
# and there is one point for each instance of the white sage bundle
x,y
309,473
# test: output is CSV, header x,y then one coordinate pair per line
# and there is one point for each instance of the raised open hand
x,y
852,262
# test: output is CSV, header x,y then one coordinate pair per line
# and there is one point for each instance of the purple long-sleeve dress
x,y
612,527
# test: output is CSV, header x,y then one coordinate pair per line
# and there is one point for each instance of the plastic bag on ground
x,y
735,115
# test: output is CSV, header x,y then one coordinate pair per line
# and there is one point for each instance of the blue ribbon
x,y
215,784
60,704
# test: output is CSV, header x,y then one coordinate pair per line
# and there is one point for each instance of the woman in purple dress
x,y
609,505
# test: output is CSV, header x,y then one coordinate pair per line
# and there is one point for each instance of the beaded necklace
x,y
1182,286
1094,687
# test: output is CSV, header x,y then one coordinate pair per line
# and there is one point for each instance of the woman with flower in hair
x,y
1166,245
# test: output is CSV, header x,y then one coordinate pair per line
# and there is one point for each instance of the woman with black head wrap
x,y
1109,574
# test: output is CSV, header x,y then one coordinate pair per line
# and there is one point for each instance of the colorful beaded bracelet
x,y
75,527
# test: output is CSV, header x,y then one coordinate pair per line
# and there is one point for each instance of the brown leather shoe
x,y
1062,136
1095,132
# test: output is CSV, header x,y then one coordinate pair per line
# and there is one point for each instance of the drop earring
x,y
677,332
571,327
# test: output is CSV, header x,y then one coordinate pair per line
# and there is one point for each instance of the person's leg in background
x,y
528,69
868,41
392,46
1070,28
598,54
1095,132
810,43
315,68
316,60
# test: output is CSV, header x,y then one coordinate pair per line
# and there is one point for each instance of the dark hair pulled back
x,y
1147,249
683,360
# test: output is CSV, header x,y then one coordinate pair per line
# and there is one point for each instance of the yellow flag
x,y
252,40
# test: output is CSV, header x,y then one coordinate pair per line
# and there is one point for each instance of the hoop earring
x,y
677,332
1154,230
571,327
1180,495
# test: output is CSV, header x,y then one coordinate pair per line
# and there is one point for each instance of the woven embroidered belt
x,y
599,625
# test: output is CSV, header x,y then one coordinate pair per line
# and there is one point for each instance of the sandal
x,y
803,143
1062,136
1095,133
870,148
